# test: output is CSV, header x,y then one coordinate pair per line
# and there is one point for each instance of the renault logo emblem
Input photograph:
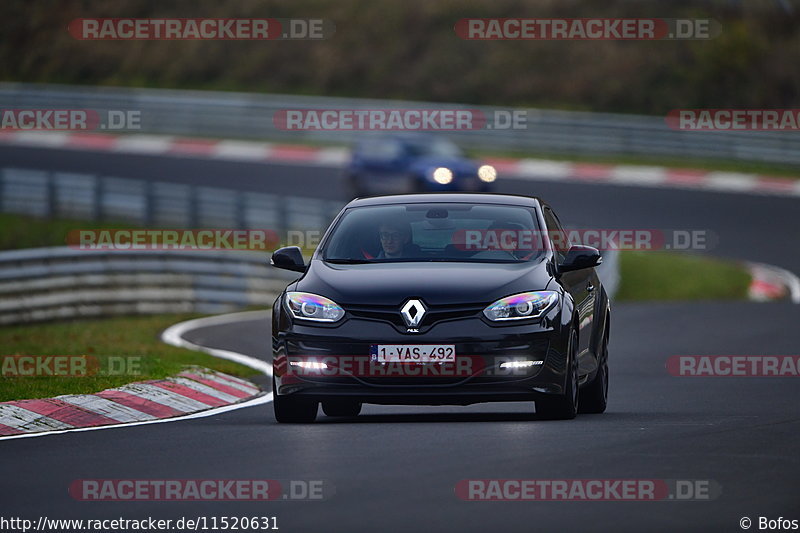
x,y
412,312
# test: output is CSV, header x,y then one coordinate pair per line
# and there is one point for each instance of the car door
x,y
582,285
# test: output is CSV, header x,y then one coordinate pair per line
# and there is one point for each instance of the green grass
x,y
676,276
22,231
136,336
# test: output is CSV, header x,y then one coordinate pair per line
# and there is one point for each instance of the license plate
x,y
413,353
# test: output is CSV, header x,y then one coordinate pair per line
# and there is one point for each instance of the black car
x,y
435,299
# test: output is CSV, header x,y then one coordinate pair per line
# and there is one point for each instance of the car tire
x,y
293,410
594,397
564,406
341,407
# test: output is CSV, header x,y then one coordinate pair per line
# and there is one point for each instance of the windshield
x,y
391,149
455,232
435,147
380,149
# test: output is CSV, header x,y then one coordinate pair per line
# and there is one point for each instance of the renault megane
x,y
434,299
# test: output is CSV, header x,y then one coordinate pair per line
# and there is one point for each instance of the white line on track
x,y
789,279
174,335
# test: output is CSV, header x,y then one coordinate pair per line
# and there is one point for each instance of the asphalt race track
x,y
396,468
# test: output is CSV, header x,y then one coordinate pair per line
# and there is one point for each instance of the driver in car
x,y
395,240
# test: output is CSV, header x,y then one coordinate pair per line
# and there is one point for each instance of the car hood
x,y
435,283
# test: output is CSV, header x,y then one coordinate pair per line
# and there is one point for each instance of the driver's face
x,y
392,239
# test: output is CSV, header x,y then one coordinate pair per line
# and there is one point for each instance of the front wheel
x,y
565,406
293,410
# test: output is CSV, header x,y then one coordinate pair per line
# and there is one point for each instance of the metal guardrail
x,y
42,284
156,204
243,115
59,283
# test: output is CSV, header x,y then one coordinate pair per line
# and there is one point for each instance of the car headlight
x,y
487,174
307,306
442,175
521,306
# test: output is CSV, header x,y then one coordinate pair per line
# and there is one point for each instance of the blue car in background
x,y
396,164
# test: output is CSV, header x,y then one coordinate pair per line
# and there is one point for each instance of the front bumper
x,y
476,375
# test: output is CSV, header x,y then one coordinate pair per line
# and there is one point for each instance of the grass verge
x,y
676,276
131,336
23,231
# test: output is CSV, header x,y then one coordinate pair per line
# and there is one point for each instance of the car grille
x,y
433,315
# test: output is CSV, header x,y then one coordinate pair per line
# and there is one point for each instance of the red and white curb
x,y
771,283
533,169
246,151
194,393
647,176
190,391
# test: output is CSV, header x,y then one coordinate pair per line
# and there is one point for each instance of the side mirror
x,y
580,257
288,258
